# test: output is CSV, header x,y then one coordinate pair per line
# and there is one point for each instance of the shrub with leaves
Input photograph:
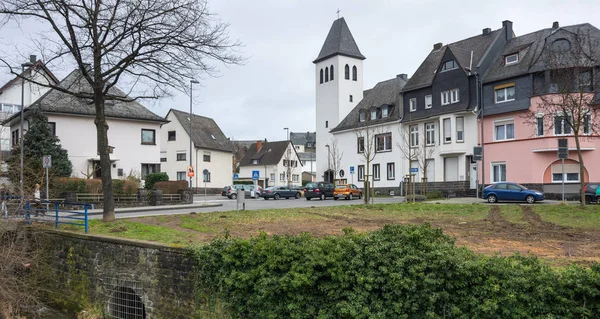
x,y
155,177
395,272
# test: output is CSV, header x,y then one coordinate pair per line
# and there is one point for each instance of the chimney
x,y
33,58
402,76
486,31
555,25
507,25
437,46
258,145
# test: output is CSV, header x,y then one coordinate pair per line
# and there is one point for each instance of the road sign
x,y
47,161
414,170
477,153
563,148
342,173
255,175
190,171
351,169
236,177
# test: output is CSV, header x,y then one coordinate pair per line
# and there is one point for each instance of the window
x,y
429,134
447,130
571,173
373,114
255,161
569,177
383,142
391,171
354,73
120,172
460,123
562,124
150,168
413,104
445,97
376,172
449,65
361,172
148,137
326,74
414,135
52,127
285,163
163,159
331,72
360,145
326,124
504,130
505,94
587,123
206,157
350,98
181,156
347,72
584,81
454,96
206,177
428,102
282,177
181,176
512,58
14,137
384,112
171,135
272,177
561,45
295,178
539,126
498,172
362,116
321,77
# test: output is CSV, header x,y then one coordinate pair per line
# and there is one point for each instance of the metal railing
x,y
46,211
171,197
97,198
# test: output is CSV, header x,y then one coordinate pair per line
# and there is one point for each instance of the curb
x,y
155,208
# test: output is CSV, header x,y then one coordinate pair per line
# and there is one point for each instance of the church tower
x,y
339,87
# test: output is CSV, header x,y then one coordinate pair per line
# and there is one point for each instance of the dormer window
x,y
373,114
511,59
362,116
384,112
449,65
254,161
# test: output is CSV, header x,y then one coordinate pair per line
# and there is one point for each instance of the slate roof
x,y
303,138
55,101
383,93
530,48
270,153
426,72
307,156
205,131
339,41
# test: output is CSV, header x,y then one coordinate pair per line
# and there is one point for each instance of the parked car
x,y
278,192
320,190
299,189
231,191
591,192
511,192
347,191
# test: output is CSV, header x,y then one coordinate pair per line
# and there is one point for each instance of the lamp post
x,y
32,59
479,94
288,133
328,164
192,82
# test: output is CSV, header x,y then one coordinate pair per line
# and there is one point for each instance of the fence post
x,y
28,213
56,211
85,216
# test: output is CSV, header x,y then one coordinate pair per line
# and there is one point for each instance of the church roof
x,y
339,41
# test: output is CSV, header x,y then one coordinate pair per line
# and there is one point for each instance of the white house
x,y
132,132
278,162
212,150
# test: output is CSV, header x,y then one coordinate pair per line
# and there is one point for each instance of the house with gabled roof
x,y
211,150
277,162
132,133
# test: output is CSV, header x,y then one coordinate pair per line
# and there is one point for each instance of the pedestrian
x,y
37,200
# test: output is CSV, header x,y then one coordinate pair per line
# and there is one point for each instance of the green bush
x,y
434,194
417,198
395,272
155,177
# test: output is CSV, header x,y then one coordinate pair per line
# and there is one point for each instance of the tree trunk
x,y
367,193
108,212
581,171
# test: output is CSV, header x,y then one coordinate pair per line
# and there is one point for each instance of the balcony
x,y
550,144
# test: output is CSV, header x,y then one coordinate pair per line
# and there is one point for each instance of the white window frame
x,y
460,128
373,111
362,116
413,104
445,97
454,96
505,90
493,164
563,124
361,173
590,124
384,112
272,177
181,173
414,135
376,172
360,149
391,171
539,117
282,177
454,66
505,123
447,137
515,55
428,101
564,176
387,143
430,134
295,177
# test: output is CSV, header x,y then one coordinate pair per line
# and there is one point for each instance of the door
x,y
514,192
431,170
473,175
501,191
451,169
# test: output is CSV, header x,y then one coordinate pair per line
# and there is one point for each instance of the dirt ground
x,y
556,244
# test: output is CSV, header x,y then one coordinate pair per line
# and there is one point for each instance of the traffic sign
x,y
351,169
236,177
190,171
342,173
255,175
47,161
414,170
477,153
563,148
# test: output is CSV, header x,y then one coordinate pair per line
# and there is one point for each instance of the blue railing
x,y
61,215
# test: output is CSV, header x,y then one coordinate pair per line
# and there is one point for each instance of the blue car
x,y
512,192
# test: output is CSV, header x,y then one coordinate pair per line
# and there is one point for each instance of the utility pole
x,y
192,82
32,59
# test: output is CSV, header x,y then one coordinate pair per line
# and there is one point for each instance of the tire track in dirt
x,y
495,216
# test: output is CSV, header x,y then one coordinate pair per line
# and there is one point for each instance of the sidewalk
x,y
124,210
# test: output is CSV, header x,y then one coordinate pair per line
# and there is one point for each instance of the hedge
x,y
59,186
153,178
399,271
171,187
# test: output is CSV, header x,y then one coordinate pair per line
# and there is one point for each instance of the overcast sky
x,y
276,89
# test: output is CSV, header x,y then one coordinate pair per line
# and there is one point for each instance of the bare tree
x,y
290,165
335,156
417,148
157,45
365,139
567,92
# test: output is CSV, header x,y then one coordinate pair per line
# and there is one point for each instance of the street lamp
x,y
192,82
328,164
479,93
288,133
32,59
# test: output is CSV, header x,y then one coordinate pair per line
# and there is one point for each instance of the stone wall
x,y
109,270
459,188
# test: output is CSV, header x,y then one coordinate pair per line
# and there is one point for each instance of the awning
x,y
554,149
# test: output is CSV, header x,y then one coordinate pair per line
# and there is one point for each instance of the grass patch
x,y
513,214
192,223
573,215
140,231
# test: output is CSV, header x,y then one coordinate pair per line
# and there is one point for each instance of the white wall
x,y
266,171
220,165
